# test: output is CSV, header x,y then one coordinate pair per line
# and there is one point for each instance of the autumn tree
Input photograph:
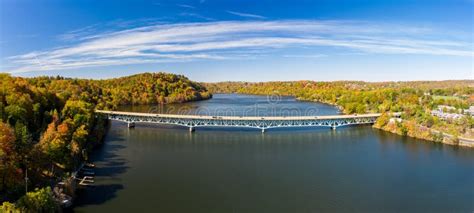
x,y
10,175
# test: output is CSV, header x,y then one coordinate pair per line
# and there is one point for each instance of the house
x,y
469,111
446,108
447,112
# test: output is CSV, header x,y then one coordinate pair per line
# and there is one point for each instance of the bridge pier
x,y
130,124
191,129
333,127
263,130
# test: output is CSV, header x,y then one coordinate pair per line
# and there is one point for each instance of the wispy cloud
x,y
246,15
78,33
95,30
222,40
306,56
28,35
186,6
195,15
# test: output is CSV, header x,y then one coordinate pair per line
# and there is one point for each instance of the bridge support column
x,y
263,130
333,127
130,124
191,129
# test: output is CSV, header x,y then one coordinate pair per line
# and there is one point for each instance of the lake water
x,y
241,105
154,168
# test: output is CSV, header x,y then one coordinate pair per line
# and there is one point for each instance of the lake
x,y
154,168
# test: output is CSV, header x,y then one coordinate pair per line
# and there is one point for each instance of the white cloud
x,y
195,15
78,33
221,40
246,15
186,6
306,56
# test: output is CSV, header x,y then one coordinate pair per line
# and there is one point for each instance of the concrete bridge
x,y
262,123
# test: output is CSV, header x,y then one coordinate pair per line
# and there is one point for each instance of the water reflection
x,y
109,165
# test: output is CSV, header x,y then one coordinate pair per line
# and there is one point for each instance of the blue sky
x,y
209,40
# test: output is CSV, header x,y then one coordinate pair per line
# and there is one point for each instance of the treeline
x,y
48,124
414,99
150,88
146,88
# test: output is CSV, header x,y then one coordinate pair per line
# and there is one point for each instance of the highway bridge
x,y
262,123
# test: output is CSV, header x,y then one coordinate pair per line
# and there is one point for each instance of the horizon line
x,y
231,81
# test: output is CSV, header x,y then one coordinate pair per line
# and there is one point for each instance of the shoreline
x,y
447,138
434,136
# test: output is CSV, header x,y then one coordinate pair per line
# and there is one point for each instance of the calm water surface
x,y
355,169
241,105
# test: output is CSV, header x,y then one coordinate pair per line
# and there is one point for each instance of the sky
x,y
240,40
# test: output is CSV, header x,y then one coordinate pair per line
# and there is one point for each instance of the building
x,y
469,111
448,112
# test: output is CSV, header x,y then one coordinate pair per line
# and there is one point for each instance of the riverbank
x,y
414,130
410,129
415,100
404,128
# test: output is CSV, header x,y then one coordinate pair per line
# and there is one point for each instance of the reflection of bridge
x,y
263,123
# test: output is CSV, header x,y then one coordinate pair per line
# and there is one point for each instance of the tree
x,y
40,200
79,138
23,140
8,158
15,113
7,141
9,208
382,120
52,145
361,108
80,111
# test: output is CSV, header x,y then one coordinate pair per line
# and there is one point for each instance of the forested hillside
x,y
150,88
48,124
415,99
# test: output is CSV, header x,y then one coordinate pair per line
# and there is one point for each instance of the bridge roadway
x,y
263,123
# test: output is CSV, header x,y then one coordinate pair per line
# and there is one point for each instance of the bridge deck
x,y
240,118
262,123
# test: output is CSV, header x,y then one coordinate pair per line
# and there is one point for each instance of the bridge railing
x,y
252,118
262,123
